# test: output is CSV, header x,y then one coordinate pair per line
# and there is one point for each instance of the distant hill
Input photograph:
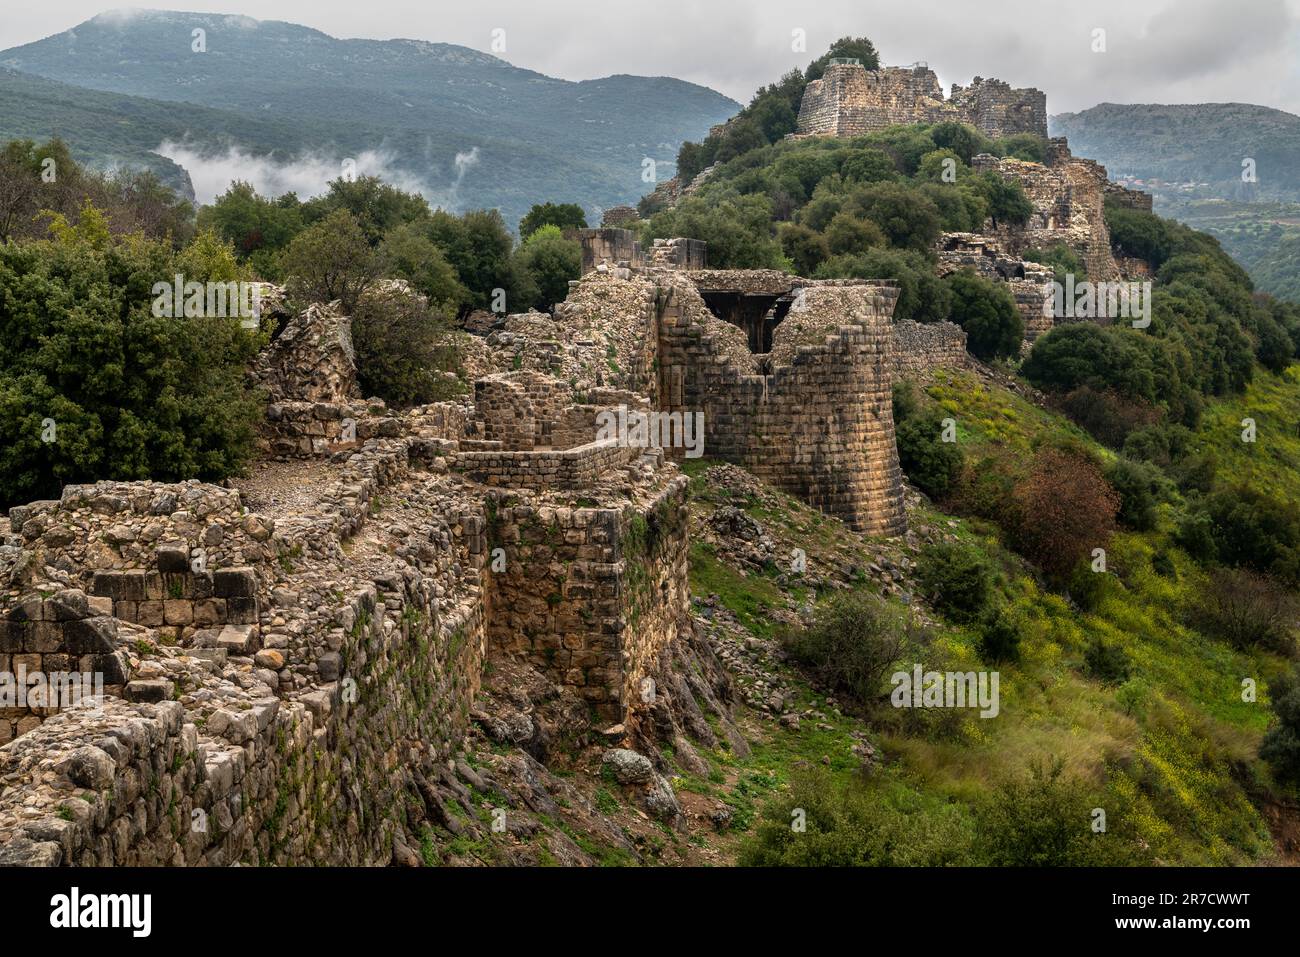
x,y
109,129
1190,158
1195,150
291,91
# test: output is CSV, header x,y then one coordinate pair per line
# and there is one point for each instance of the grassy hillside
x,y
1170,752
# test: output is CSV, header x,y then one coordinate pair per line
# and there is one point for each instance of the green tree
x,y
848,234
957,579
856,48
1281,744
130,392
561,215
988,314
552,261
804,248
331,260
376,206
922,296
1043,819
907,218
963,140
479,246
258,228
930,463
738,230
408,253
407,353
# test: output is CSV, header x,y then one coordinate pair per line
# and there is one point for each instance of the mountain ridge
x,y
419,102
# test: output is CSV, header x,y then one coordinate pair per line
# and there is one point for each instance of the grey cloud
x,y
1159,50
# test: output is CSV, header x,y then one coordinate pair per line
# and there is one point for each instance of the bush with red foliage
x,y
1062,511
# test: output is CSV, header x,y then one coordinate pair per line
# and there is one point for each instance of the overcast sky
x,y
1157,51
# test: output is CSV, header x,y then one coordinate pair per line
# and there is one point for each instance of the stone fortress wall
x,y
294,675
850,100
281,687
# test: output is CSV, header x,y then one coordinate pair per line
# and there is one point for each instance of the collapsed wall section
x,y
239,778
1069,208
820,427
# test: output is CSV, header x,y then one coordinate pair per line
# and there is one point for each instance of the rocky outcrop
x,y
1068,196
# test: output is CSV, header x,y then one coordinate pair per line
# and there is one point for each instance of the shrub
x,y
1088,588
1106,661
331,260
1162,444
905,401
1006,199
1118,359
406,352
132,395
1252,529
867,166
999,637
848,234
1025,146
560,215
1246,610
848,824
931,464
956,579
1044,820
1281,744
1063,510
551,261
987,312
1139,234
907,218
1141,487
805,248
965,141
1106,415
1063,260
851,644
738,230
986,488
1132,696
407,253
922,296
1195,534
962,208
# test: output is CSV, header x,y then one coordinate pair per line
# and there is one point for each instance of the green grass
x,y
1272,462
748,597
1180,755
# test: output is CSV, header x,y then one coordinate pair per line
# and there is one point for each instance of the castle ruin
x,y
850,100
